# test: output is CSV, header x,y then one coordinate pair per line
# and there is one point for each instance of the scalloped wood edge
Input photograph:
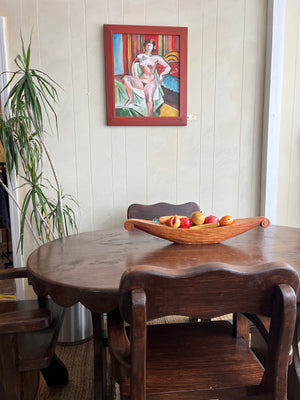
x,y
197,236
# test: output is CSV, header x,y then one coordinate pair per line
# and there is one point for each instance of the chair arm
x,y
13,273
22,321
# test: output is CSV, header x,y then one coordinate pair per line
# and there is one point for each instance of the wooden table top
x,y
87,267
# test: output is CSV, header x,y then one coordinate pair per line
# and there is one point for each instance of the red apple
x,y
211,219
185,223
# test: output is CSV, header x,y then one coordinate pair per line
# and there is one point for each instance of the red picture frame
x,y
146,75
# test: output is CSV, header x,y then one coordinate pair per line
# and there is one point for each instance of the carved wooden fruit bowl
x,y
197,236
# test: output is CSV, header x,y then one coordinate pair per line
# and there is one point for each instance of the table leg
x,y
99,356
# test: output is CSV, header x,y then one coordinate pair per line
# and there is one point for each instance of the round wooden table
x,y
87,267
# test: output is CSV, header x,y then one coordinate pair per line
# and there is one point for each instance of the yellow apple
x,y
198,218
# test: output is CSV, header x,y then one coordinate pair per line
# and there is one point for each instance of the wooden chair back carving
x,y
208,291
143,211
201,291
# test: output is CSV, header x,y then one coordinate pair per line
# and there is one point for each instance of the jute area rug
x,y
79,362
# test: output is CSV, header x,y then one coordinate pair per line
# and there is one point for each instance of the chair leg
x,y
15,385
30,384
99,356
56,373
241,326
294,369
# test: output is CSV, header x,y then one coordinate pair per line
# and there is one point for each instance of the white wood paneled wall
x,y
288,199
215,160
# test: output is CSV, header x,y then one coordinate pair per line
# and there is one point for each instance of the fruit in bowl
x,y
211,219
197,221
198,218
185,223
226,220
174,221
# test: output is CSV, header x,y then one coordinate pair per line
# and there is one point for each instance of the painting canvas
x,y
145,75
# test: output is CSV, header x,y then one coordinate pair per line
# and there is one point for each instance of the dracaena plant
x,y
32,97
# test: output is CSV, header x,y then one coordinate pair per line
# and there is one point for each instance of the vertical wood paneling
x,y
161,165
230,35
54,51
289,158
134,12
214,160
29,27
101,138
119,178
188,166
13,22
259,107
208,96
250,65
161,13
80,114
294,187
115,12
136,163
294,181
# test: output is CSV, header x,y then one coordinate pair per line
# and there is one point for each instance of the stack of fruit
x,y
197,221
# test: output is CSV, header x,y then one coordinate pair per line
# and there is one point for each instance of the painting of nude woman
x,y
146,74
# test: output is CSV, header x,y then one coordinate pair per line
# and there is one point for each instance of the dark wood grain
x,y
138,344
99,356
87,267
28,334
178,291
24,321
209,358
13,273
294,370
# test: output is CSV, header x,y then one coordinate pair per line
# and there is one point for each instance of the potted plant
x,y
45,209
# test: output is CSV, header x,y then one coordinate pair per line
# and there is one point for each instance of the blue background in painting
x,y
118,53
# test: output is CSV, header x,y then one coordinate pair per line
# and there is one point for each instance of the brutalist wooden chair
x,y
28,334
203,360
143,211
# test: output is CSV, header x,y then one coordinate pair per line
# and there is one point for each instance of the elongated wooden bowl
x,y
197,236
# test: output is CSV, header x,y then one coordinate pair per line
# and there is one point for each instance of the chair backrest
x,y
143,211
207,291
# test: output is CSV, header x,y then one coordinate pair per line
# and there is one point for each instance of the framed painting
x,y
146,75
